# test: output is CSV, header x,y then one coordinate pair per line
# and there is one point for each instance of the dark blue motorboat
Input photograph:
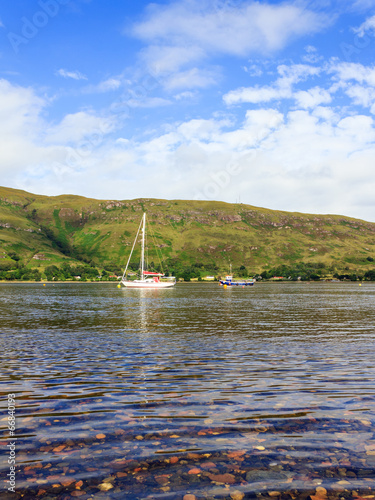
x,y
228,281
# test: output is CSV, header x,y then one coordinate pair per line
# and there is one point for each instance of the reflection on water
x,y
192,390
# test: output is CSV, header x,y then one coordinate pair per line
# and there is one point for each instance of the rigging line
x,y
156,248
146,248
126,268
160,257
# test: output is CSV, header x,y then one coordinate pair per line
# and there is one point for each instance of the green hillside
x,y
196,237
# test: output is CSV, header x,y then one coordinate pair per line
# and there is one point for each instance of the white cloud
x,y
108,85
257,126
20,108
236,30
281,89
354,80
345,72
357,82
312,98
200,130
187,95
76,127
182,34
361,96
311,56
358,128
148,102
31,148
75,75
368,25
20,121
253,70
166,59
190,79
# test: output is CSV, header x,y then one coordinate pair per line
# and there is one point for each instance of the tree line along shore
x,y
81,272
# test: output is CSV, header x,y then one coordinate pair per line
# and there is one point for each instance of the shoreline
x,y
276,282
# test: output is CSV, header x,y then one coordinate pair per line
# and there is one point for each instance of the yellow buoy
x,y
224,286
118,286
360,284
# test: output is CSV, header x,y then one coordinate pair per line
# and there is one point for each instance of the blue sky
x,y
266,103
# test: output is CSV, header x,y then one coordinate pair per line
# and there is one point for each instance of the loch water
x,y
195,392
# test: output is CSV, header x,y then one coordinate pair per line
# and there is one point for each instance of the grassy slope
x,y
190,231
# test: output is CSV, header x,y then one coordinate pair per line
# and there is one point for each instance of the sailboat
x,y
147,279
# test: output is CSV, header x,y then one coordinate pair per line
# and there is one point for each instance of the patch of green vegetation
x,y
19,247
69,228
56,216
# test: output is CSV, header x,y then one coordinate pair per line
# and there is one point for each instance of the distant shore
x,y
180,282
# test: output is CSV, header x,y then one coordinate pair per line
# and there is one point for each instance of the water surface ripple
x,y
265,392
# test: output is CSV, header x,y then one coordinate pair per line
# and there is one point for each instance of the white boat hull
x,y
148,284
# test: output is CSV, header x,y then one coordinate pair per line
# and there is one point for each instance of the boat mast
x,y
131,252
143,246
